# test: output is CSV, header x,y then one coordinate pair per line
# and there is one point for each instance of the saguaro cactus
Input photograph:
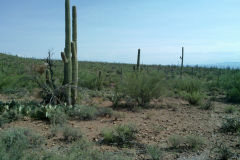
x,y
138,60
182,62
70,62
74,56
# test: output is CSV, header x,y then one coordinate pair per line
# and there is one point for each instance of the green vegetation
x,y
191,142
142,87
230,109
22,144
123,135
154,152
224,153
231,124
14,141
190,89
208,105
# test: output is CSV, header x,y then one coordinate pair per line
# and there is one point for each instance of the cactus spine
x,y
138,60
74,56
182,62
70,62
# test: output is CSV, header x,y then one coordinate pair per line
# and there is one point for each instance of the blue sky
x,y
113,30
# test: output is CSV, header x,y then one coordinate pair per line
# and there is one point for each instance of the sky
x,y
113,30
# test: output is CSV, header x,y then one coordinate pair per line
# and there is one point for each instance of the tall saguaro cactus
x,y
70,62
138,60
182,62
74,56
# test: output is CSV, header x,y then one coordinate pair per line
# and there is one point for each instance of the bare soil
x,y
172,117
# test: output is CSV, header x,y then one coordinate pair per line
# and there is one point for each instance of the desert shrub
x,y
83,112
189,85
57,117
71,134
190,89
224,153
176,141
46,112
14,141
231,124
90,80
193,98
83,149
9,116
16,83
208,105
122,135
66,133
154,152
231,85
38,113
233,95
194,142
105,111
230,109
190,141
142,87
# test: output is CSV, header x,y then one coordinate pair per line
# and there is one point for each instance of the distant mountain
x,y
228,65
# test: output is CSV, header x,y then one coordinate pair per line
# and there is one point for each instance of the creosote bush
x,y
231,124
190,89
154,152
230,109
66,133
57,117
193,98
208,105
142,87
89,112
14,141
91,80
190,141
71,134
122,135
22,144
224,153
176,141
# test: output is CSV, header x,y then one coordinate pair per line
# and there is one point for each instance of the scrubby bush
x,y
83,150
88,112
83,112
154,152
190,89
194,142
224,153
9,116
188,85
230,109
16,83
193,98
71,134
142,87
176,141
122,135
57,117
231,125
208,105
190,141
66,133
233,95
105,111
14,141
230,83
90,80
